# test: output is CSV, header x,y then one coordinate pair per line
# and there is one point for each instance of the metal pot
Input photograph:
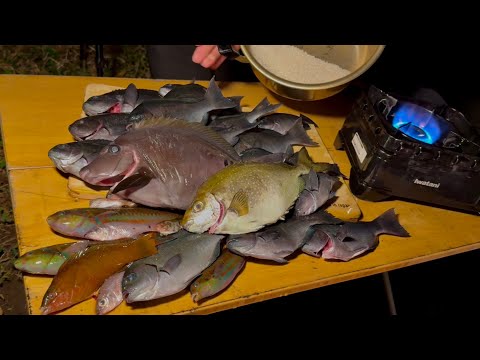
x,y
356,58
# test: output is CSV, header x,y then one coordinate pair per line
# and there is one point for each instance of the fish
x,y
282,123
172,269
161,162
319,188
279,241
110,294
349,240
272,141
245,197
118,101
111,203
47,260
111,224
188,91
218,276
186,109
82,275
103,126
260,155
72,157
229,127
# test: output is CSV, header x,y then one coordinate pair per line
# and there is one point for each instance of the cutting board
x,y
344,207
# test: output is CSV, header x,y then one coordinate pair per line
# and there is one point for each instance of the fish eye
x,y
113,149
102,302
130,277
198,206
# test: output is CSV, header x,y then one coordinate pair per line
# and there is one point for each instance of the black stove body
x,y
414,148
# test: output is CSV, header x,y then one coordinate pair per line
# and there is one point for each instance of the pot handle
x,y
230,53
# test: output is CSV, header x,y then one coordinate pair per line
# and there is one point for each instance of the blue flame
x,y
418,123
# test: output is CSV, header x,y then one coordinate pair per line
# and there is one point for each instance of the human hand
x,y
209,57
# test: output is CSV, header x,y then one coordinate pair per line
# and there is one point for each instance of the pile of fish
x,y
195,187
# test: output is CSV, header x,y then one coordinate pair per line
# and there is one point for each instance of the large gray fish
x,y
167,159
186,109
118,101
194,92
170,271
72,157
282,123
110,294
319,188
229,127
279,241
272,141
346,241
103,126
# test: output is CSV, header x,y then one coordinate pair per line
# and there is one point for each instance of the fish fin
x,y
307,122
131,95
171,264
136,181
263,108
280,260
239,203
215,98
298,136
303,158
387,223
311,181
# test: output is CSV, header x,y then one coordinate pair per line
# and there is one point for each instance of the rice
x,y
293,64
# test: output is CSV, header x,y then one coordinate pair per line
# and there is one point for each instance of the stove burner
x,y
419,123
411,149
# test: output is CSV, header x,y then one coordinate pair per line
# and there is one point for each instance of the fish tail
x,y
307,122
215,98
263,108
237,100
387,223
302,158
298,136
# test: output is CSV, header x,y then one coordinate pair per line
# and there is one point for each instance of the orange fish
x,y
82,275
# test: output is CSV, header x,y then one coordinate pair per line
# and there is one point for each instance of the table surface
x,y
35,113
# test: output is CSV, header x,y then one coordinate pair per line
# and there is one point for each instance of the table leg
x,y
388,291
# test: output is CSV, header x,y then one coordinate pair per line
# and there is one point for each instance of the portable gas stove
x,y
412,148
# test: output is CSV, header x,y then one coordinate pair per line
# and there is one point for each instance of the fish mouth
x,y
87,136
109,180
220,218
115,109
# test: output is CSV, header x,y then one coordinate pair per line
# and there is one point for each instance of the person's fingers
x,y
201,52
218,63
211,58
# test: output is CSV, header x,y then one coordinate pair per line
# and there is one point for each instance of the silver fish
x,y
349,240
186,109
279,241
103,126
72,157
282,123
229,127
319,188
170,271
118,101
110,294
272,141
